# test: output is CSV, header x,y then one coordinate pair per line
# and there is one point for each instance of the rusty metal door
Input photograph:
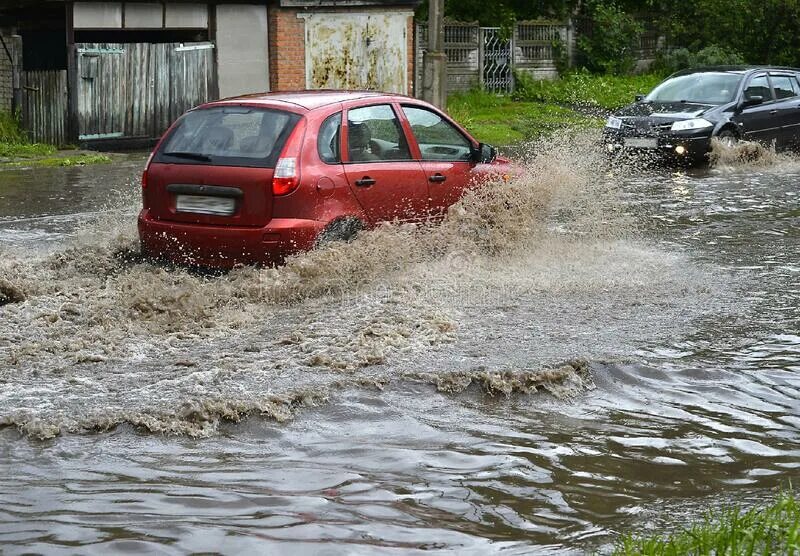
x,y
357,51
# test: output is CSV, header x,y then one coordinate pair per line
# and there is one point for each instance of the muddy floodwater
x,y
581,352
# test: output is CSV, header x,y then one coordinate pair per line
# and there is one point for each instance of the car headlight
x,y
691,125
613,123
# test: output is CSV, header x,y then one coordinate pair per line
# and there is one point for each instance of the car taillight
x,y
144,179
285,179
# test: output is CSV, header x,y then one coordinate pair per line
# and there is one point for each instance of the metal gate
x,y
137,90
497,61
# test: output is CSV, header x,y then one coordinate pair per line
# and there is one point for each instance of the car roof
x,y
732,69
309,99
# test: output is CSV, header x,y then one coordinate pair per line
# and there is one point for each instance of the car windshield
x,y
229,136
701,88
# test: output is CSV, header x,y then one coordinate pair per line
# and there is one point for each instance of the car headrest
x,y
218,139
359,136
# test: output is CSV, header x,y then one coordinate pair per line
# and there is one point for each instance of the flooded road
x,y
585,352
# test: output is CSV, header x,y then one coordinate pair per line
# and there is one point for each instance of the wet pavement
x,y
587,352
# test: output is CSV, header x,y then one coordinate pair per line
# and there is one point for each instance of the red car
x,y
253,179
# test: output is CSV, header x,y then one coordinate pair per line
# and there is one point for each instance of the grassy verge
x,y
539,108
585,90
71,158
774,529
16,150
500,120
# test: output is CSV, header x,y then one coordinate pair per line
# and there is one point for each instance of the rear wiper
x,y
192,156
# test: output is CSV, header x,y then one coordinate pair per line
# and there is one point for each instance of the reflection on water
x,y
392,370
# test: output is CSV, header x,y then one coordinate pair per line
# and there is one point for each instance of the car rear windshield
x,y
228,136
700,88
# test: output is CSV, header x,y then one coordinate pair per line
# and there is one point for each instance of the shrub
x,y
595,93
682,58
10,130
612,44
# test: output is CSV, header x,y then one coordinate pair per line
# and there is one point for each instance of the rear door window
x,y
328,139
228,136
784,85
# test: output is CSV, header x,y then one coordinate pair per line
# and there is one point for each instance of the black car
x,y
681,115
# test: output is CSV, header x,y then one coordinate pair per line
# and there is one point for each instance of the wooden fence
x,y
123,91
137,90
44,106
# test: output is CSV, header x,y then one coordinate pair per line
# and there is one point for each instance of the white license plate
x,y
641,142
201,204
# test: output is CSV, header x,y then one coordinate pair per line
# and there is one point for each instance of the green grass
x,y
14,143
78,159
585,90
10,131
773,529
537,108
25,150
16,150
500,120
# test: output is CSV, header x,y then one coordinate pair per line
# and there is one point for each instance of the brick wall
x,y
287,53
411,56
6,81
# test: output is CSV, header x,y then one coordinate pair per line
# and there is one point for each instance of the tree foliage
x,y
611,42
763,32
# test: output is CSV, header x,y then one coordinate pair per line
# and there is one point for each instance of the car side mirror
x,y
751,101
484,154
639,97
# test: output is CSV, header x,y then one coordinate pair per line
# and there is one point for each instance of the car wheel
x,y
727,138
344,229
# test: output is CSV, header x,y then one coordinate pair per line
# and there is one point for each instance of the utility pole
x,y
434,62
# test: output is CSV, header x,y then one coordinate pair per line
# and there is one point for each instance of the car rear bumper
x,y
225,246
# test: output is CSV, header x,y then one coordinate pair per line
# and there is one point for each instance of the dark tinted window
x,y
784,86
229,136
758,87
437,138
328,139
374,133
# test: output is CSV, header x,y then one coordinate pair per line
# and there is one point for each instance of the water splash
x,y
743,154
102,337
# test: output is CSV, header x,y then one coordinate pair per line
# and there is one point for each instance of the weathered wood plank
x,y
138,90
44,106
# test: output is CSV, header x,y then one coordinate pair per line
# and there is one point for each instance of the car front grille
x,y
645,128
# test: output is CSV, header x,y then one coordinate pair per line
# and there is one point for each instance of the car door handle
x,y
437,178
366,181
773,112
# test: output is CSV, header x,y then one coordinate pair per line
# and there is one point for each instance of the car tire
x,y
728,137
344,229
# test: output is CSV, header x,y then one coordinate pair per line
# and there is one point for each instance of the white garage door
x,y
242,64
357,51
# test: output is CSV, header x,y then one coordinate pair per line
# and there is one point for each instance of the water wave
x,y
92,336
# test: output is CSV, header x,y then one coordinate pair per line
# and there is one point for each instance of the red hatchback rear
x,y
254,179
